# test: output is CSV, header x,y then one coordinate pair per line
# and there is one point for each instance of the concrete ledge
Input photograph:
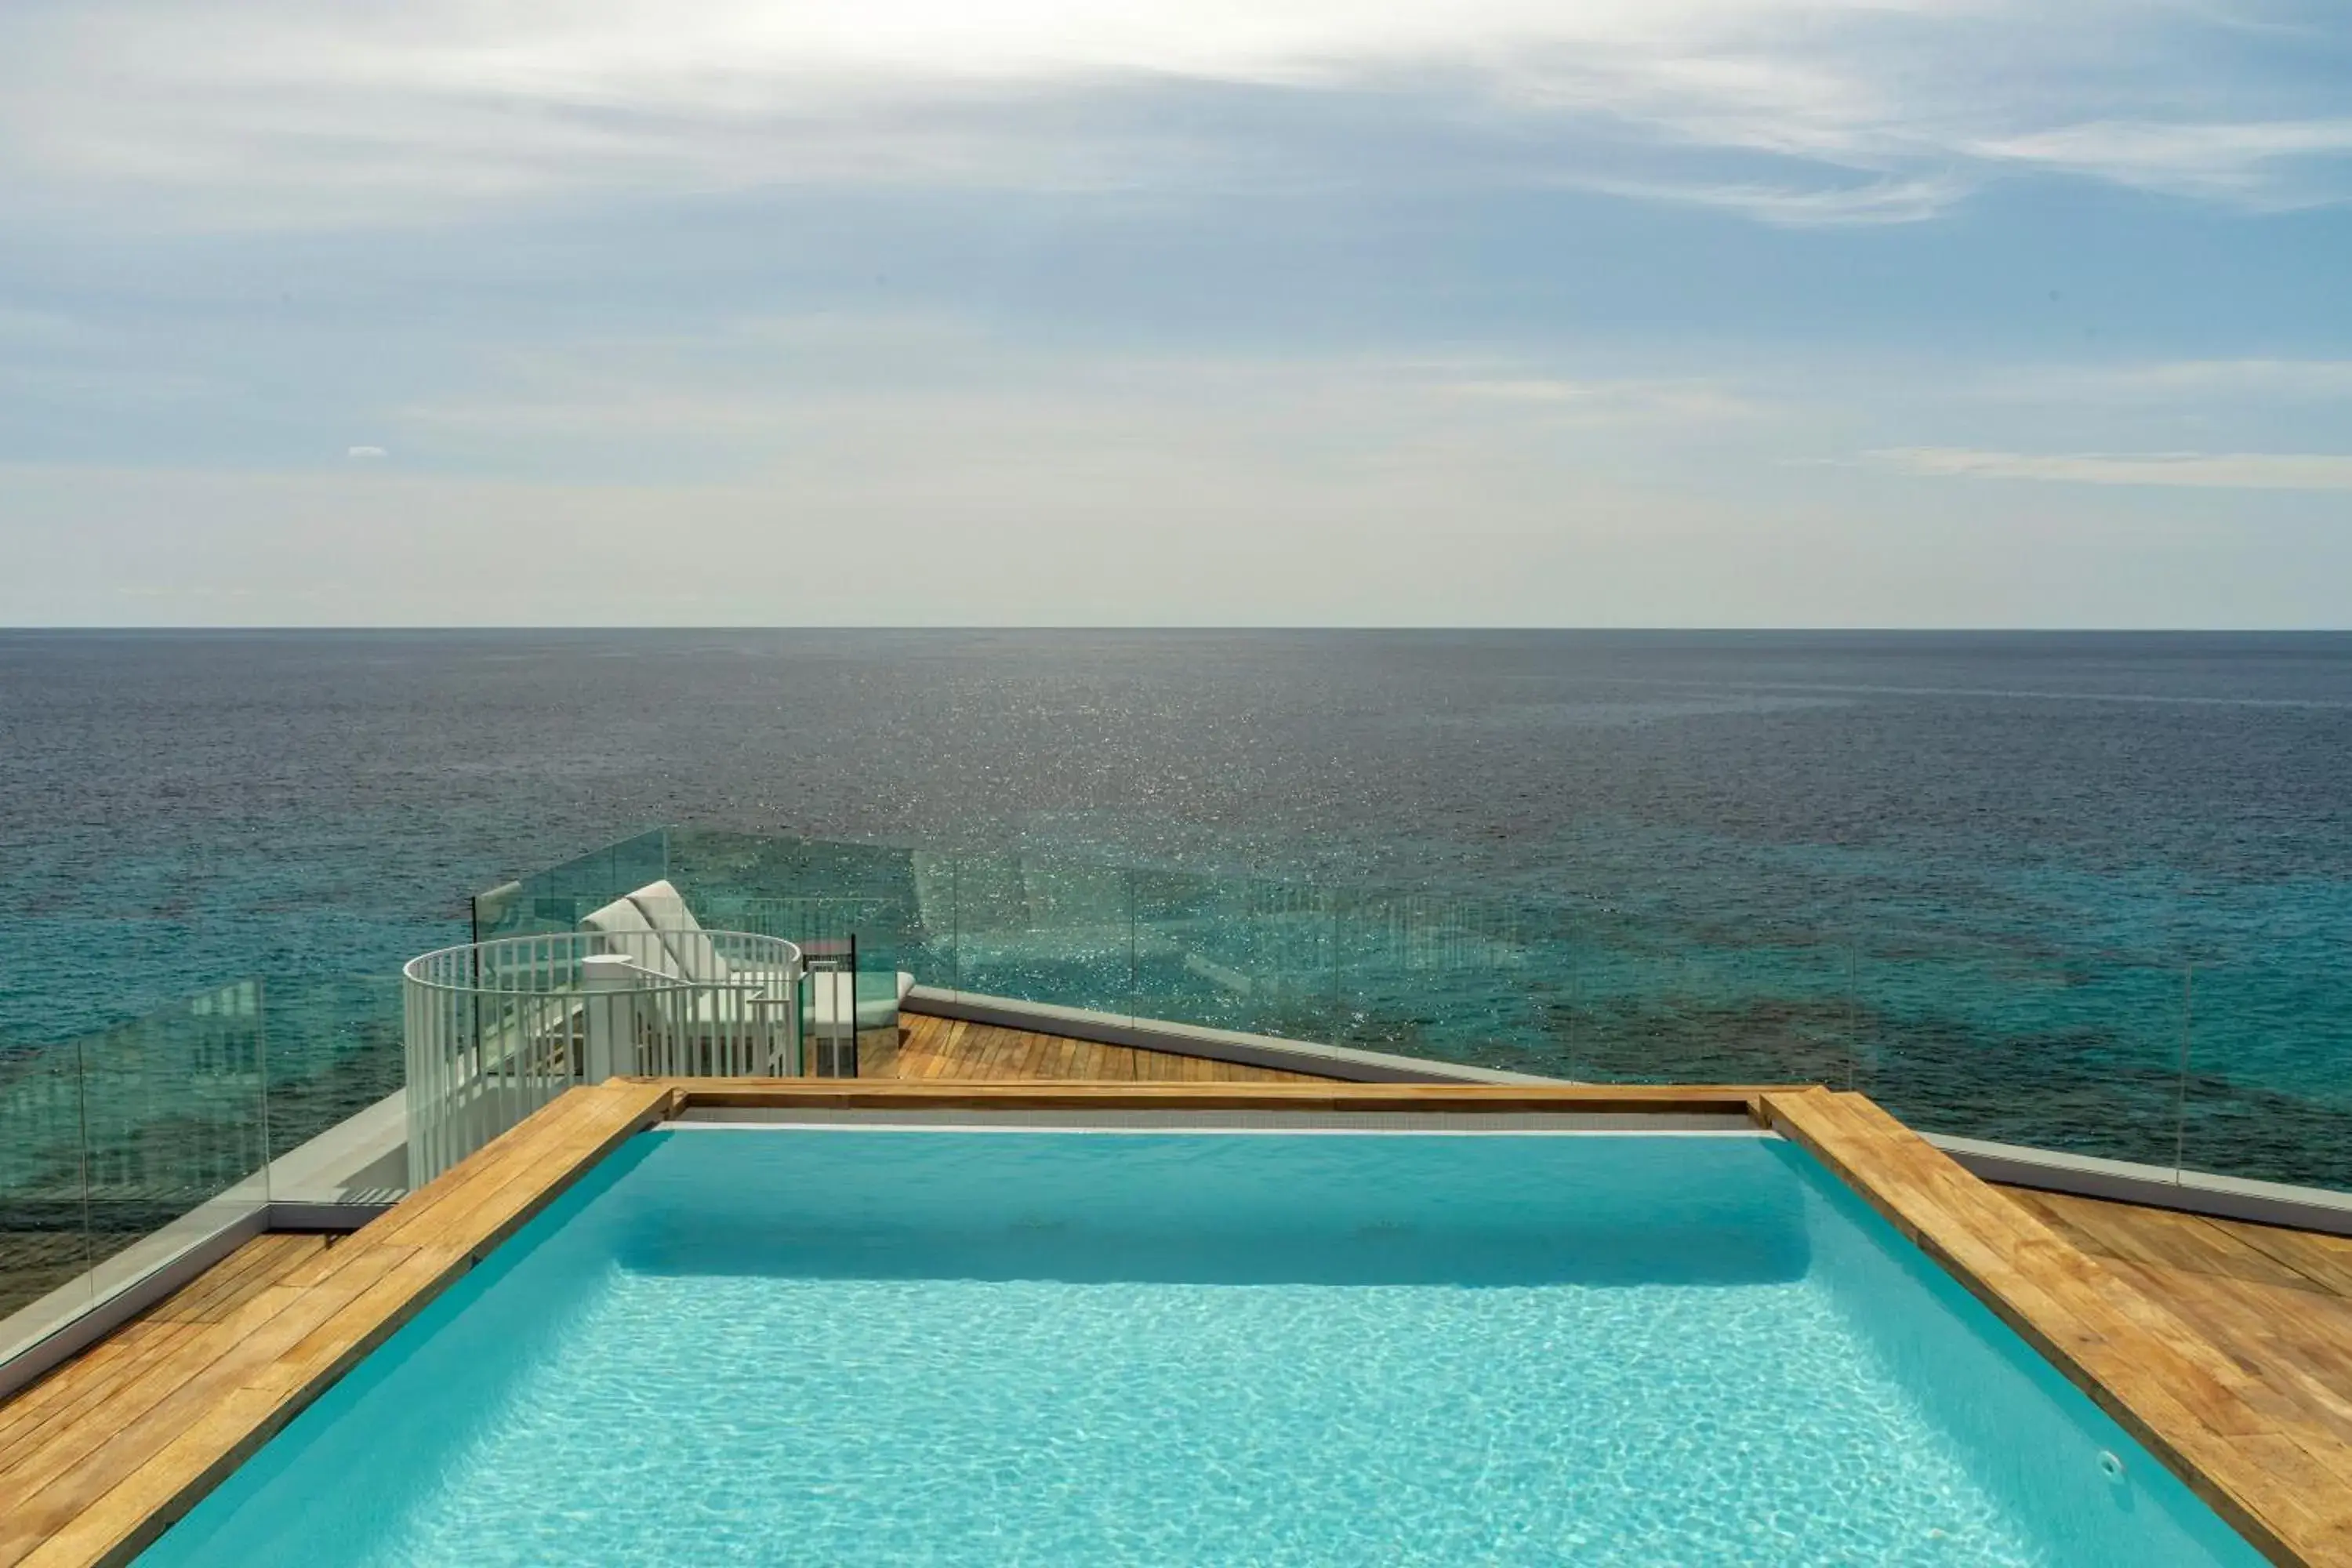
x,y
2154,1186
363,1158
1341,1062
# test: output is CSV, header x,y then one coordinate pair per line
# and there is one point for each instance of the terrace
x,y
2210,1317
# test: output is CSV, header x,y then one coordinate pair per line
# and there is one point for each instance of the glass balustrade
x,y
122,1147
2233,1065
45,1242
2267,1090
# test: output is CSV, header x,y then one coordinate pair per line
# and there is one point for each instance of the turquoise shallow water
x,y
1967,871
759,1346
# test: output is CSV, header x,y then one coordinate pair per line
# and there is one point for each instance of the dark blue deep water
x,y
2143,822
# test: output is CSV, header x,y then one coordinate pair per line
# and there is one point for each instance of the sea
x,y
182,810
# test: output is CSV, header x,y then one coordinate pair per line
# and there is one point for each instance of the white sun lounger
x,y
654,928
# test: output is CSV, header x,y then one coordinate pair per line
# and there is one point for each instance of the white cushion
x,y
625,931
830,996
664,911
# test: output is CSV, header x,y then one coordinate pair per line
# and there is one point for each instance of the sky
x,y
1389,312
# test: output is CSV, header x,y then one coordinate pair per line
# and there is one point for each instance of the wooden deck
x,y
2238,1381
929,1048
2277,1302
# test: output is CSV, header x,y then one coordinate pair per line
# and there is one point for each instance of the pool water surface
x,y
741,1344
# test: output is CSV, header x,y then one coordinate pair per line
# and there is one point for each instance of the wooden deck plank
x,y
2238,1285
1032,1057
126,1354
219,1290
878,1053
64,1478
1158,1066
1043,1060
995,1054
270,1256
933,1054
2196,1245
123,1355
2325,1260
484,1183
934,1049
990,1053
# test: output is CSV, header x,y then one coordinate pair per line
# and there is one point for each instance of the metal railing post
x,y
610,982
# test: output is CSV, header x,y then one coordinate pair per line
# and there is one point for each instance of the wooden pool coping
x,y
101,1497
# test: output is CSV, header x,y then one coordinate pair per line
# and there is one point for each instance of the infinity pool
x,y
763,1344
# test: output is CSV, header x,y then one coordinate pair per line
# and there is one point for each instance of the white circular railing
x,y
494,1030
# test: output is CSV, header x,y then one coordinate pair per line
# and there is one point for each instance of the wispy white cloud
x,y
2277,164
2190,470
1631,399
1886,201
2197,381
1792,112
652,392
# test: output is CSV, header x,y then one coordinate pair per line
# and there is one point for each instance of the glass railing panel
x,y
1237,952
1476,981
817,894
1763,1006
881,926
813,892
1551,935
1793,1003
1040,927
43,1196
2080,1051
554,900
1651,1003
927,945
2072,1053
2268,1094
175,1112
334,1054
1627,1017
713,862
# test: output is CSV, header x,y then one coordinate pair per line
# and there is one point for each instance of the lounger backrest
x,y
626,932
689,948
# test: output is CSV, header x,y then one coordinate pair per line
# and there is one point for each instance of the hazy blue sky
x,y
1389,312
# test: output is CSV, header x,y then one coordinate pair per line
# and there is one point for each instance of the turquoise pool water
x,y
735,1344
